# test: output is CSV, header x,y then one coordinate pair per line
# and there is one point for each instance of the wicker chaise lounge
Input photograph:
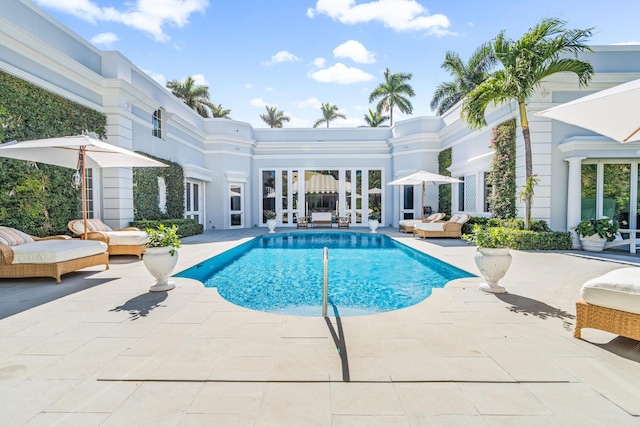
x,y
23,256
611,303
407,225
450,228
125,241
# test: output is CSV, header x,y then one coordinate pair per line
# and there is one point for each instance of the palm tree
x,y
465,77
375,118
219,111
274,118
526,62
195,96
329,112
393,92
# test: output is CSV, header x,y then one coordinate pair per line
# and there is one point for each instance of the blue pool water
x,y
284,274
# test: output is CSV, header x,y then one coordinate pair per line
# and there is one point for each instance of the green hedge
x,y
186,226
518,224
539,237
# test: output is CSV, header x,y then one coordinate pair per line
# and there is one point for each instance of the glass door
x,y
193,201
236,205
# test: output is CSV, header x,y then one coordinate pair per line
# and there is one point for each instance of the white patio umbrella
x,y
76,152
424,178
611,112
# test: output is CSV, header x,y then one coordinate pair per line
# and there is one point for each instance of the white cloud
x,y
319,62
199,79
400,15
355,51
269,89
104,39
248,86
257,102
313,103
340,74
149,16
160,78
282,56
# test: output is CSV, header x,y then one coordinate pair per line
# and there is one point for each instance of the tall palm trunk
x,y
528,191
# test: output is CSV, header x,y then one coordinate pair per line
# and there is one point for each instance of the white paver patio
x,y
100,350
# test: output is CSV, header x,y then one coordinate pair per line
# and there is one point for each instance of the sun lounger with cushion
x,y
22,255
450,228
125,241
611,303
406,225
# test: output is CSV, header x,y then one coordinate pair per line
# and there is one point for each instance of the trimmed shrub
x,y
539,237
186,226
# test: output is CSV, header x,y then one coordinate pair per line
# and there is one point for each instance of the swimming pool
x,y
284,274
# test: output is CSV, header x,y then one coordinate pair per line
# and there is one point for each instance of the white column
x,y
574,200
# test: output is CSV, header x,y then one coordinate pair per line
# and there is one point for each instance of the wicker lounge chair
x,y
407,225
23,256
611,303
125,241
450,228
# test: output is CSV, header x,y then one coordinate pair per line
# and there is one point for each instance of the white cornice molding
x,y
196,172
475,164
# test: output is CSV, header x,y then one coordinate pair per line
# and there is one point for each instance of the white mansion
x,y
235,172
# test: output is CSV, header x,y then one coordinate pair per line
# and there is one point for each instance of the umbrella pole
x,y
422,210
83,152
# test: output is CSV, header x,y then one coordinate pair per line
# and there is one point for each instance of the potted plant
x,y
492,256
373,222
594,233
161,255
271,220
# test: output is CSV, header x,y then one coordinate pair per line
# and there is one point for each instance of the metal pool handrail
x,y
325,288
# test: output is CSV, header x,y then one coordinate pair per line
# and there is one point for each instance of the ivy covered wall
x,y
444,190
502,176
38,198
146,195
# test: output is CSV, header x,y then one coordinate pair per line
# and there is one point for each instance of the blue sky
x,y
297,54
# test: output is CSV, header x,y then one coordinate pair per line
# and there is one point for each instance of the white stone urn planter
x,y
373,225
160,263
493,264
593,243
271,225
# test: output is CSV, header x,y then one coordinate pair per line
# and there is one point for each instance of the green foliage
x,y
502,176
444,190
393,92
145,191
489,237
186,226
514,238
536,225
466,76
38,199
603,227
162,236
270,215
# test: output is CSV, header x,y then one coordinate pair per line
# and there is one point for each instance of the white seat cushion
x,y
127,238
618,289
409,222
52,251
430,226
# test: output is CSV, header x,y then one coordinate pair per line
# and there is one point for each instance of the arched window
x,y
156,120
